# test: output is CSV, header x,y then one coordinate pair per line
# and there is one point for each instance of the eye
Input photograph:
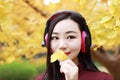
x,y
54,38
71,37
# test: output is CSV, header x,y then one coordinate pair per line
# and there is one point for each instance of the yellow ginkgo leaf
x,y
59,55
62,56
105,19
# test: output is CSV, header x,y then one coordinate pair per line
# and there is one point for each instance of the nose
x,y
62,45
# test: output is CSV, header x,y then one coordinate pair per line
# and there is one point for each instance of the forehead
x,y
66,24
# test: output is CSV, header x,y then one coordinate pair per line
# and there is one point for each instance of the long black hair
x,y
52,72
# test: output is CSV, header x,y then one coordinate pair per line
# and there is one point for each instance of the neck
x,y
76,61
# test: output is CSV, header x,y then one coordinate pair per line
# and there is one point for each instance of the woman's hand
x,y
111,62
70,69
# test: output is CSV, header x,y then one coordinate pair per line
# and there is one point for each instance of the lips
x,y
67,53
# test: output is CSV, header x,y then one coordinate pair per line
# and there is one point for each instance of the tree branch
x,y
35,8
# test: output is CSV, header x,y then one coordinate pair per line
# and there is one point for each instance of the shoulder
x,y
95,75
107,76
40,77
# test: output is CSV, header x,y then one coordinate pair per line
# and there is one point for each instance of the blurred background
x,y
22,24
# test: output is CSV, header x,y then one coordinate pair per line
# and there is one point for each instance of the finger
x,y
69,62
65,71
70,71
69,65
65,68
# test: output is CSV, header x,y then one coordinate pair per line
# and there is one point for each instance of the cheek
x,y
53,46
76,45
75,49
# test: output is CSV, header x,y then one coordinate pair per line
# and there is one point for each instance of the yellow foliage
x,y
22,24
105,19
38,61
10,59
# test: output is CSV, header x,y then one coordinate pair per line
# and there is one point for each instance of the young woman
x,y
68,31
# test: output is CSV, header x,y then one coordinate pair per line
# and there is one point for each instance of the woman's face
x,y
66,36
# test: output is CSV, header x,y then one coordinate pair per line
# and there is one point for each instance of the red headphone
x,y
83,38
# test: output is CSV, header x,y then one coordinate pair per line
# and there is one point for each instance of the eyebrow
x,y
55,33
66,32
71,32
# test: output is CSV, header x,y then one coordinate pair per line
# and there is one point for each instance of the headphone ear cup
x,y
46,39
83,41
